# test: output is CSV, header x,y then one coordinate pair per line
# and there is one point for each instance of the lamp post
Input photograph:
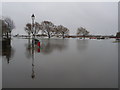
x,y
33,32
33,19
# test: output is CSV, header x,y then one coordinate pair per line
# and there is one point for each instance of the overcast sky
x,y
96,17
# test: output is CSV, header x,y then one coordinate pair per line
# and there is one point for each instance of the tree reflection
x,y
82,44
49,46
28,52
7,49
45,46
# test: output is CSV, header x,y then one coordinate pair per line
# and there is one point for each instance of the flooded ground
x,y
58,63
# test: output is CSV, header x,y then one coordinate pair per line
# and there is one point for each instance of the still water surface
x,y
58,63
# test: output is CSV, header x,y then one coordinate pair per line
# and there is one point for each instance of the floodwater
x,y
58,63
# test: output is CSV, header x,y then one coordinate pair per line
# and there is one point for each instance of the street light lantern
x,y
33,16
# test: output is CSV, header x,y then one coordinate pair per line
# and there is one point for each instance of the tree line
x,y
47,28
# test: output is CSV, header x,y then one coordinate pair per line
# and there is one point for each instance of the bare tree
x,y
7,26
47,28
38,27
82,31
29,28
4,28
55,31
62,30
10,24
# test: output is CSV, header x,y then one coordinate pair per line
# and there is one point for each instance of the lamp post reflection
x,y
33,56
33,73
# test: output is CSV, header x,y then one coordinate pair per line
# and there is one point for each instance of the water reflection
x,y
49,46
44,46
58,63
7,49
28,52
82,44
31,48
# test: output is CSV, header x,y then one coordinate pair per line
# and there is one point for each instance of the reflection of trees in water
x,y
7,49
82,44
47,46
28,52
54,44
29,48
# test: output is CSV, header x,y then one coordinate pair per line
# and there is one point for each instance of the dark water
x,y
69,63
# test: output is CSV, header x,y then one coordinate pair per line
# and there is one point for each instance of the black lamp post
x,y
33,19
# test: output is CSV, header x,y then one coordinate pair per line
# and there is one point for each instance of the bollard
x,y
38,44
